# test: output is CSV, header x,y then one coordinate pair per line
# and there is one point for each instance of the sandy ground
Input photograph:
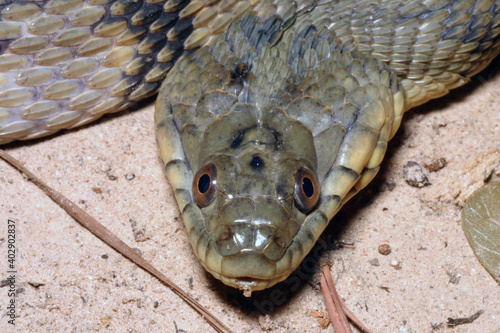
x,y
70,281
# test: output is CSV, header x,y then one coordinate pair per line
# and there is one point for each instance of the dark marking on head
x,y
237,141
279,144
257,164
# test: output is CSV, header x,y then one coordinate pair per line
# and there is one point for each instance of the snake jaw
x,y
247,284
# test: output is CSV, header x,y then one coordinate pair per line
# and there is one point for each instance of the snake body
x,y
271,114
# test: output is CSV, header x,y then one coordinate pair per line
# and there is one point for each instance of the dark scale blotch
x,y
178,46
139,33
153,43
291,88
178,5
166,22
257,164
129,6
4,45
148,14
182,29
241,70
273,27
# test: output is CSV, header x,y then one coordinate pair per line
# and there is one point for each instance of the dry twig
x,y
337,310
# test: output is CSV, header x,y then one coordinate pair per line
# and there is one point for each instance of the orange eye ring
x,y
205,185
306,192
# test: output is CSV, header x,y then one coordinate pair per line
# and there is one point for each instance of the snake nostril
x,y
224,235
280,241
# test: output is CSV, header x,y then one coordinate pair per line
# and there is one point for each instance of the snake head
x,y
264,143
254,195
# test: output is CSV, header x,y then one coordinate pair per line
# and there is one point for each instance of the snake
x,y
270,115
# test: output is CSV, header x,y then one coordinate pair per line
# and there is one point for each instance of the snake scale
x,y
271,114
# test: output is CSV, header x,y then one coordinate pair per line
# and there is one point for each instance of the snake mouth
x,y
247,279
247,284
248,271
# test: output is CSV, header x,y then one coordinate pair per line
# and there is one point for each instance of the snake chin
x,y
247,284
247,271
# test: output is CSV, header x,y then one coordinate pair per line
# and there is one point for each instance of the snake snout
x,y
249,240
247,226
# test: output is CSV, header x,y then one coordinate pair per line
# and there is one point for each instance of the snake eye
x,y
306,192
205,185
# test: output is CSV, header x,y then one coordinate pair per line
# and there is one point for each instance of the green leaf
x,y
481,224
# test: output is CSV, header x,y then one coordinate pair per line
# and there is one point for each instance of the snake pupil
x,y
306,192
204,187
204,183
307,187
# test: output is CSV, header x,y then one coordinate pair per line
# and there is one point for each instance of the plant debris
x,y
464,320
415,175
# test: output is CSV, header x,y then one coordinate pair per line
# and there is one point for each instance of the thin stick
x,y
353,318
335,311
109,238
336,306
